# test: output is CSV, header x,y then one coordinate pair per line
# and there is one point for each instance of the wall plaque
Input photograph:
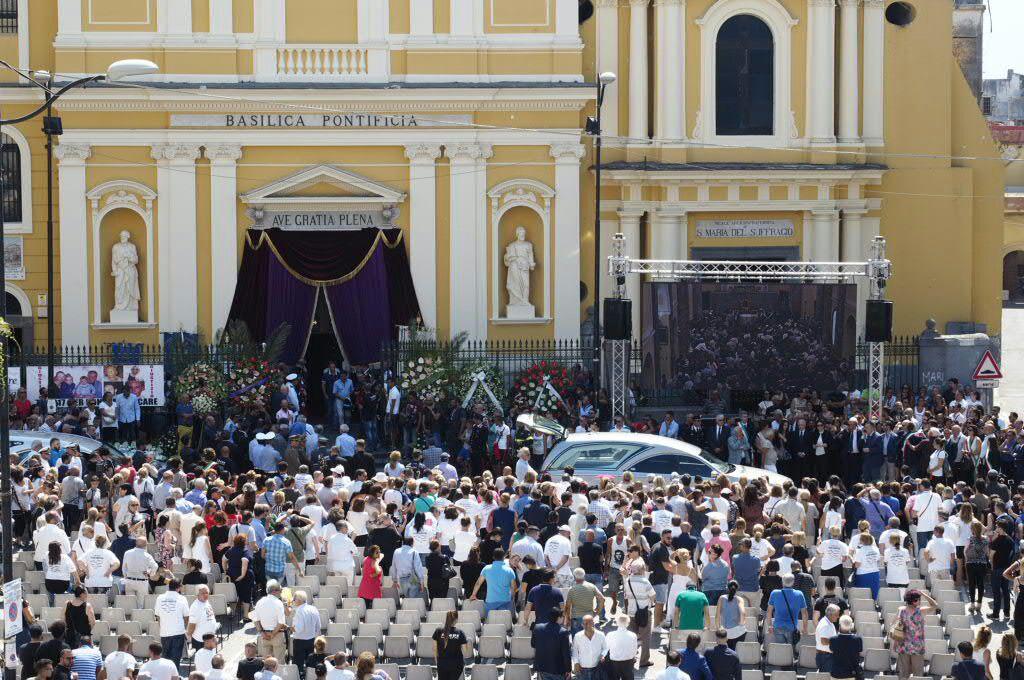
x,y
323,220
741,228
258,121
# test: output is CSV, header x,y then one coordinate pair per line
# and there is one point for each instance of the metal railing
x,y
511,357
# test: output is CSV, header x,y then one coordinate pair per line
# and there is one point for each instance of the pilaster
x,y
638,70
223,228
468,242
821,87
566,248
74,285
176,236
423,226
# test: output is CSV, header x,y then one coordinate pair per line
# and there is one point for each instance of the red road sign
x,y
987,368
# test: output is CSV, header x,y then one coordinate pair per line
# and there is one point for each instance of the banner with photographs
x,y
76,385
701,336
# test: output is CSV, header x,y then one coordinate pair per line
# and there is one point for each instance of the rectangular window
x,y
986,106
8,16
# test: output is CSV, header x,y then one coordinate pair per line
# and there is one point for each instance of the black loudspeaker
x,y
618,319
878,324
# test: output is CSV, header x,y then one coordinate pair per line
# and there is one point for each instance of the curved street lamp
x,y
44,80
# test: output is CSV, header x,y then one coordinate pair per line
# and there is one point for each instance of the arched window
x,y
10,168
744,77
13,304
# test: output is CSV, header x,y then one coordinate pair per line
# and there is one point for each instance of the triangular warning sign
x,y
987,368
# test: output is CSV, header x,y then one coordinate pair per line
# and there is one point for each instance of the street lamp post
x,y
594,129
44,81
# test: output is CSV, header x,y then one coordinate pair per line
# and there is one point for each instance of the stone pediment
x,y
323,186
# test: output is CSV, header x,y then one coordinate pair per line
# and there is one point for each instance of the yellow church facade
x,y
735,129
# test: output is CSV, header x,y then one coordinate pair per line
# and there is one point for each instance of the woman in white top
x,y
982,653
422,531
394,468
897,563
683,574
59,571
200,547
766,449
833,517
357,517
144,485
867,564
463,540
760,547
936,461
832,553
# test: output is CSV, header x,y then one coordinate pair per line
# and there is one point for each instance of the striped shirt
x,y
87,662
306,622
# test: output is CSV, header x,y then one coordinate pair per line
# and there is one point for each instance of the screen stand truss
x,y
876,271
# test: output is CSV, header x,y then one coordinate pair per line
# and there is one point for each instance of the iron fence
x,y
902,364
511,357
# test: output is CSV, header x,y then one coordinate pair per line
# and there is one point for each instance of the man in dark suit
x,y
853,449
724,662
552,647
693,431
716,438
967,668
800,444
874,459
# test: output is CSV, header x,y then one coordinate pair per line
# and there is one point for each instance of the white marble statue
x,y
124,261
520,262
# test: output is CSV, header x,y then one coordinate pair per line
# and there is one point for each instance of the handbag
x,y
899,631
796,622
642,617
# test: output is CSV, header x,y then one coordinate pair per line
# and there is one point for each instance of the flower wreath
x,y
530,383
251,383
493,378
424,375
202,386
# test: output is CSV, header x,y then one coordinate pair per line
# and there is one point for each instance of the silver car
x,y
22,440
609,454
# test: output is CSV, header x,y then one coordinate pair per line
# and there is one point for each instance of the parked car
x,y
22,440
609,454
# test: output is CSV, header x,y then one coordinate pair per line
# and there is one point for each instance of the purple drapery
x,y
292,302
361,311
281,272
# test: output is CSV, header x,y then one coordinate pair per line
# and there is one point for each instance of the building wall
x,y
519,70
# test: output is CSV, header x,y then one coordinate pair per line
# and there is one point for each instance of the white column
x,y
608,61
666,233
467,18
567,19
372,20
468,239
269,28
421,18
825,224
821,89
849,72
222,18
176,236
69,20
629,226
223,228
637,70
23,36
669,121
423,226
874,73
853,237
566,264
74,285
174,18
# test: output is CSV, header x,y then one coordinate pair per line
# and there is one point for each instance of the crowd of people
x,y
737,349
931,494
